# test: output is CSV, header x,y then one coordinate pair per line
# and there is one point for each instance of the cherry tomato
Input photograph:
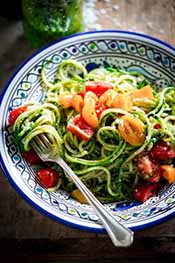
x,y
66,100
149,168
132,130
108,98
88,110
99,108
143,192
15,113
82,94
97,87
31,157
77,194
157,126
77,102
168,173
48,177
162,151
80,128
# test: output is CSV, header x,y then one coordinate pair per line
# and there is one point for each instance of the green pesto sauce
x,y
45,21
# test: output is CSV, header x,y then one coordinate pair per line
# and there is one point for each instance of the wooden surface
x,y
28,236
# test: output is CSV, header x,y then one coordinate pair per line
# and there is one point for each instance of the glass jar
x,y
47,20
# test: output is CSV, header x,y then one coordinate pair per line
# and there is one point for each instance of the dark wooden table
x,y
28,236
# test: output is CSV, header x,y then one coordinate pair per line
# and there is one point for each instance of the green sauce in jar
x,y
47,20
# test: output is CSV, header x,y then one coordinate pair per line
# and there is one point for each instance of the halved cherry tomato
x,y
145,92
77,194
143,192
132,130
97,87
162,151
168,173
108,97
80,128
66,100
112,99
122,101
77,102
48,177
90,116
32,157
88,110
71,100
15,113
149,168
90,98
99,108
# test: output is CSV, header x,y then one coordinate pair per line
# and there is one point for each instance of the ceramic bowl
x,y
127,50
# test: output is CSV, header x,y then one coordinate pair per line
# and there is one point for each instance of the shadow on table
x,y
14,48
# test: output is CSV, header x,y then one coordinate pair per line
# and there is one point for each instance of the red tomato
x,y
162,151
80,128
149,168
157,126
143,192
48,177
99,108
15,113
31,157
82,94
97,87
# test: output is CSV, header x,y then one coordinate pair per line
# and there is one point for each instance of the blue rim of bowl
x,y
16,187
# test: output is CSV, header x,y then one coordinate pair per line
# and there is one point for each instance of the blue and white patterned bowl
x,y
129,51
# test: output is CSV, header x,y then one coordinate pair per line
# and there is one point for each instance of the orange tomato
x,y
145,92
122,101
168,173
77,194
88,110
90,98
108,97
71,100
132,130
112,99
89,115
77,102
66,100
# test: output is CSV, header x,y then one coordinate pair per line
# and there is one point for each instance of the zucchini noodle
x,y
106,162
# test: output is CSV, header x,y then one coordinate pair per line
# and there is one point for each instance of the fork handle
x,y
119,234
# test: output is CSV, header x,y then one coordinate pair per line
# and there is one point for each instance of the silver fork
x,y
120,235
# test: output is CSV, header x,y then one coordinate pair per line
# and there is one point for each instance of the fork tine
x,y
45,144
48,139
41,143
36,147
40,139
44,139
